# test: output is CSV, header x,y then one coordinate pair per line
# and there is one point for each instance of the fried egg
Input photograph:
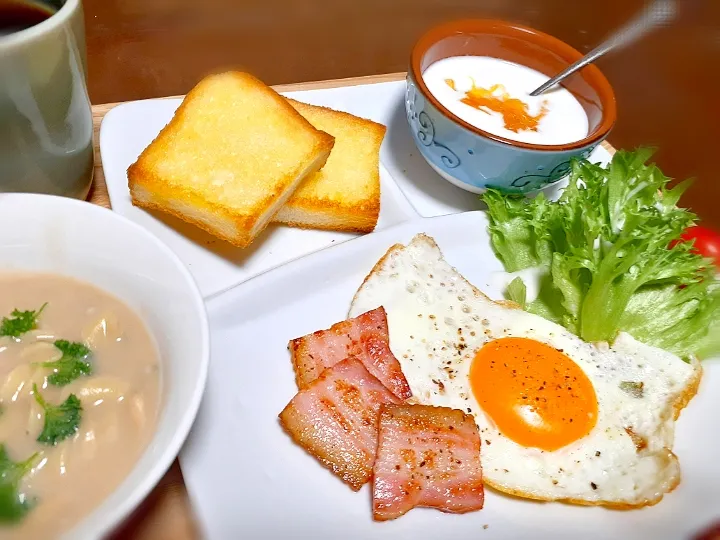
x,y
559,418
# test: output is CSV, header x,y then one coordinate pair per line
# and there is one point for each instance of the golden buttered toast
x,y
345,194
232,155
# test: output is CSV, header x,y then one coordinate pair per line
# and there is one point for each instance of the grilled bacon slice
x,y
427,456
365,337
335,419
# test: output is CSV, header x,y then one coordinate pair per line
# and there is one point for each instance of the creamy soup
x,y
494,95
79,400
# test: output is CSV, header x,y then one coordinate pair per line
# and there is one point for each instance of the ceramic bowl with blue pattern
x,y
474,159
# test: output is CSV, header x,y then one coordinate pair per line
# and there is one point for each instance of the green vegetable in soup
x,y
13,504
61,421
20,322
610,247
71,365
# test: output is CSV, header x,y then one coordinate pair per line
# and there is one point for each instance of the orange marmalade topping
x,y
514,111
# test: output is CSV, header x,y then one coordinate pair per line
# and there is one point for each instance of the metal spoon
x,y
653,15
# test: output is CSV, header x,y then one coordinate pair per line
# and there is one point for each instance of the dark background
x,y
666,85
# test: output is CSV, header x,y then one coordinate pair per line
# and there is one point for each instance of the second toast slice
x,y
345,194
232,155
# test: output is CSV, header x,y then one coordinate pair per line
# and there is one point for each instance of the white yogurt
x,y
564,122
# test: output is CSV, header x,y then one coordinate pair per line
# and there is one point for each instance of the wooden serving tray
x,y
166,513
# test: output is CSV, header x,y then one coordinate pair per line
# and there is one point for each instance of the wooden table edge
x,y
170,496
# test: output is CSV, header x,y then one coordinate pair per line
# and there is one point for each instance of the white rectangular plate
x,y
248,480
215,264
409,186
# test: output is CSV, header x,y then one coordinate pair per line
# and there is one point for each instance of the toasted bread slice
x,y
229,159
345,194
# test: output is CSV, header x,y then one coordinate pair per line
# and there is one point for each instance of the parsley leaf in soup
x,y
73,363
61,421
611,257
20,322
13,504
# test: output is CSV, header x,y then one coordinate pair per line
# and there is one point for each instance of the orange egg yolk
x,y
535,394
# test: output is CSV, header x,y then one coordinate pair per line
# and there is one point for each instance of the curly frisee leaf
x,y
609,246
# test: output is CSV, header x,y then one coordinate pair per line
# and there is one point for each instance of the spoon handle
x,y
657,13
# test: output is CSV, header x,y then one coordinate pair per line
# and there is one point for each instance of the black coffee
x,y
17,15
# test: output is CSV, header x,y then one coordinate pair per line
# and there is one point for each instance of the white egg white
x,y
438,321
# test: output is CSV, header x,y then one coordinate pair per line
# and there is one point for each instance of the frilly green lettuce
x,y
608,244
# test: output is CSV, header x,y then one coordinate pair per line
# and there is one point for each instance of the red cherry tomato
x,y
707,242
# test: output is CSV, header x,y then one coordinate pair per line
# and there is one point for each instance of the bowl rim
x,y
436,33
94,524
